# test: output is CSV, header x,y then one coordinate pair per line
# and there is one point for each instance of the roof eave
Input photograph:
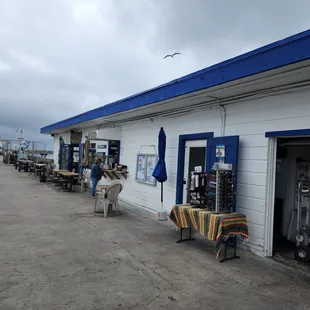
x,y
281,53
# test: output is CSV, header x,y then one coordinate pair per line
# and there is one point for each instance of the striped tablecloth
x,y
207,223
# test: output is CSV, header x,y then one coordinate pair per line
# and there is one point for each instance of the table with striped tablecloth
x,y
221,228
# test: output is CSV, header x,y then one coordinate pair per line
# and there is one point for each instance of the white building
x,y
250,103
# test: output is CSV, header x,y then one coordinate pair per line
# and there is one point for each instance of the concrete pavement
x,y
55,254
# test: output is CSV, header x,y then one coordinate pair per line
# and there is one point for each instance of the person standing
x,y
95,175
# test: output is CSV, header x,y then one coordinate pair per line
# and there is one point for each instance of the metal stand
x,y
302,252
232,243
190,235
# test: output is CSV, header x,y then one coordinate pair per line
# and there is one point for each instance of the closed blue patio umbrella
x,y
160,173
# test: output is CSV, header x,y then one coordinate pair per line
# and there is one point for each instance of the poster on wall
x,y
140,174
145,166
151,163
220,151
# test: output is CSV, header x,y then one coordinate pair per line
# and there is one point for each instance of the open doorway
x,y
292,199
195,158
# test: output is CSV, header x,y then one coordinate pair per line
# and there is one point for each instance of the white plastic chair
x,y
109,197
98,189
101,191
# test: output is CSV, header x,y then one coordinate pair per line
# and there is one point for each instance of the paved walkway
x,y
54,254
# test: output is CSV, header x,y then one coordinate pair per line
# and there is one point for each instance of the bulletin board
x,y
145,166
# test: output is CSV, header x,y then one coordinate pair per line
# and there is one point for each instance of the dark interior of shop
x,y
197,157
114,151
292,172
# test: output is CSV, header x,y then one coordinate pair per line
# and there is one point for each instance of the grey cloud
x,y
59,58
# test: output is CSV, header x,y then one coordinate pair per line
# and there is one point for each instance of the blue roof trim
x,y
275,55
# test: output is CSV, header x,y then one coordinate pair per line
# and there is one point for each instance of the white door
x,y
195,156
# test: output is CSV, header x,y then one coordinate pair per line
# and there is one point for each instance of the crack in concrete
x,y
153,300
172,286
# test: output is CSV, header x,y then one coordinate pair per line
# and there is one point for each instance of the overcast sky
x,y
63,57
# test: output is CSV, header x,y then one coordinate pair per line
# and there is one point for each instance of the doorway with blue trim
x,y
231,144
289,205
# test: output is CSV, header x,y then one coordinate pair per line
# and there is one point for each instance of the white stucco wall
x,y
250,120
109,133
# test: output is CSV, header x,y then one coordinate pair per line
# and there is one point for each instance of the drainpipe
x,y
222,112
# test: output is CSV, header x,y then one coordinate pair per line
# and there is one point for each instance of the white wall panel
x,y
248,119
252,178
109,133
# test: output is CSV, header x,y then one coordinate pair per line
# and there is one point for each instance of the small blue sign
x,y
220,151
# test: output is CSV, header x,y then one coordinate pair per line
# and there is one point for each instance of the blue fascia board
x,y
196,136
288,133
275,55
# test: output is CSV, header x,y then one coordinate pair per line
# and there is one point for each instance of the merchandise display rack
x,y
220,189
213,190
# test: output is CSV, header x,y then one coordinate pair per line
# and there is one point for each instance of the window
x,y
92,135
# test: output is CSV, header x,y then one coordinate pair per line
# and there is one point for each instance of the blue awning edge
x,y
288,133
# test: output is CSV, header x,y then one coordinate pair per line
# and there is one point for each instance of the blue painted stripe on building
x,y
278,54
288,133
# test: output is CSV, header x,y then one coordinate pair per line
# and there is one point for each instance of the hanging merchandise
x,y
213,190
220,188
192,182
197,189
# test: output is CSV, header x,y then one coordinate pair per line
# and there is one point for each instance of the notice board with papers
x,y
145,166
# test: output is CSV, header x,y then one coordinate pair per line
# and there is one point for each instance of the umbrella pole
x,y
162,194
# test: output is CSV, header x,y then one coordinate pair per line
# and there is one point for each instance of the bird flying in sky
x,y
172,55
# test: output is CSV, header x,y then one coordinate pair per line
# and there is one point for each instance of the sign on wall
x,y
220,151
145,166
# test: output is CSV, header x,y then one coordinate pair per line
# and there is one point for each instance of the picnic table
x,y
59,171
23,164
40,165
69,177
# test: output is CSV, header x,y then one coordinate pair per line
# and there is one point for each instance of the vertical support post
x,y
270,195
162,194
235,246
181,235
225,257
217,192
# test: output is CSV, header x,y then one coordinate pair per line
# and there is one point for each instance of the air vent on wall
x,y
92,135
